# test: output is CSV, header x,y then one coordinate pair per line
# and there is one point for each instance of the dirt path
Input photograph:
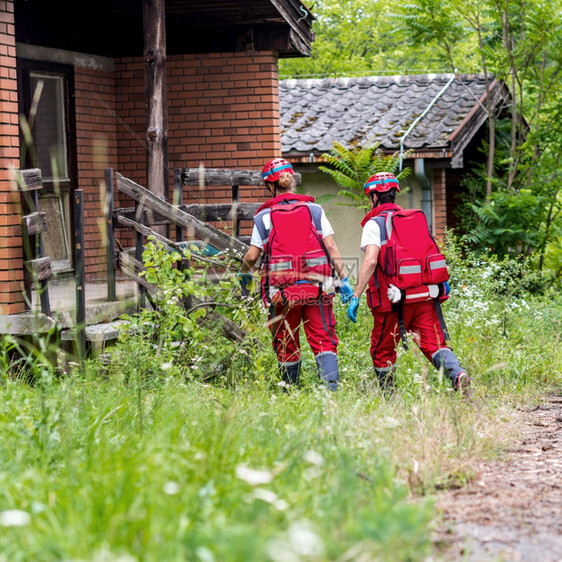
x,y
513,509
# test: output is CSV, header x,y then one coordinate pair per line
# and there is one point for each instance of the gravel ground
x,y
512,510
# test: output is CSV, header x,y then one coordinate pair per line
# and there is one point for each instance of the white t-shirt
x,y
371,235
327,229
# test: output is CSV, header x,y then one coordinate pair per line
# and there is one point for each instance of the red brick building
x,y
222,106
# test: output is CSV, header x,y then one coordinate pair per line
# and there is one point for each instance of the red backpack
x,y
412,258
295,260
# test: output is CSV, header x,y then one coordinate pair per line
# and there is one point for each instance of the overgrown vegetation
x,y
513,203
184,447
351,167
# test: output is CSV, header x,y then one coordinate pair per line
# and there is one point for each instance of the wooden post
x,y
178,200
154,16
79,273
235,201
111,291
139,248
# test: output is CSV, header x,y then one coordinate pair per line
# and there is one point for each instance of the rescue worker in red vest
x,y
421,318
304,301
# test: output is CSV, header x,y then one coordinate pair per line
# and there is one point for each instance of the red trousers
x,y
421,319
319,326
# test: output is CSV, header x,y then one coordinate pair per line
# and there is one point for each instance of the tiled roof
x,y
314,113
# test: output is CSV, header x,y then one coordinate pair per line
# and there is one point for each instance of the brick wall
x,y
223,112
96,146
11,258
439,202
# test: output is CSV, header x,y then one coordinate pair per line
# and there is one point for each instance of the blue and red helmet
x,y
274,168
381,182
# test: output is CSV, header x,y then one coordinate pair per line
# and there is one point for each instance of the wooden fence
x,y
150,213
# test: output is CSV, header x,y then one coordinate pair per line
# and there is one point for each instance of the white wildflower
x,y
14,518
312,473
270,497
204,554
313,458
252,476
171,488
304,540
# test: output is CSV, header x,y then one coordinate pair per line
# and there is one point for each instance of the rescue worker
x,y
421,318
306,300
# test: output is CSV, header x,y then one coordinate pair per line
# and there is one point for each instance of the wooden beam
x,y
124,221
213,236
224,176
154,12
222,211
40,268
212,212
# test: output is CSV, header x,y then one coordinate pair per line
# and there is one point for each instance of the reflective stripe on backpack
x,y
314,262
281,266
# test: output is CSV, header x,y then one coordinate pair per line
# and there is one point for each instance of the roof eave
x,y
475,118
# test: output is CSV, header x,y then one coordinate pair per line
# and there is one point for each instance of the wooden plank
x,y
124,221
207,233
131,267
29,180
229,328
224,176
144,217
34,223
40,268
222,211
211,212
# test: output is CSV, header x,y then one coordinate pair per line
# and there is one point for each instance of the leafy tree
x,y
359,37
513,202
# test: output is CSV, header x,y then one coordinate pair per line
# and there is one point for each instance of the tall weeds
x,y
160,455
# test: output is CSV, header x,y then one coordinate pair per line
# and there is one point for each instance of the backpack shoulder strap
x,y
316,214
381,222
263,230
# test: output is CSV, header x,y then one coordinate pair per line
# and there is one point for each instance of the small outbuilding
x,y
435,122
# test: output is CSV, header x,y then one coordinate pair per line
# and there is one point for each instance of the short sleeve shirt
x,y
371,235
327,229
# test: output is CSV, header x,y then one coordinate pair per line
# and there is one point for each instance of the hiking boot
x,y
463,386
386,378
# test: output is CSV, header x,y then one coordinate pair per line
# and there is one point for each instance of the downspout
x,y
420,117
427,192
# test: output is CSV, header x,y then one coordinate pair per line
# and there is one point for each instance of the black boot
x,y
385,376
290,372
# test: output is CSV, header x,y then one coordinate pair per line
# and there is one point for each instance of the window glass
x,y
49,136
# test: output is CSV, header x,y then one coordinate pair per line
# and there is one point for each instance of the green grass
x,y
161,457
174,487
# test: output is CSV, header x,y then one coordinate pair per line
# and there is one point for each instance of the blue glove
x,y
345,290
352,309
244,279
446,288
